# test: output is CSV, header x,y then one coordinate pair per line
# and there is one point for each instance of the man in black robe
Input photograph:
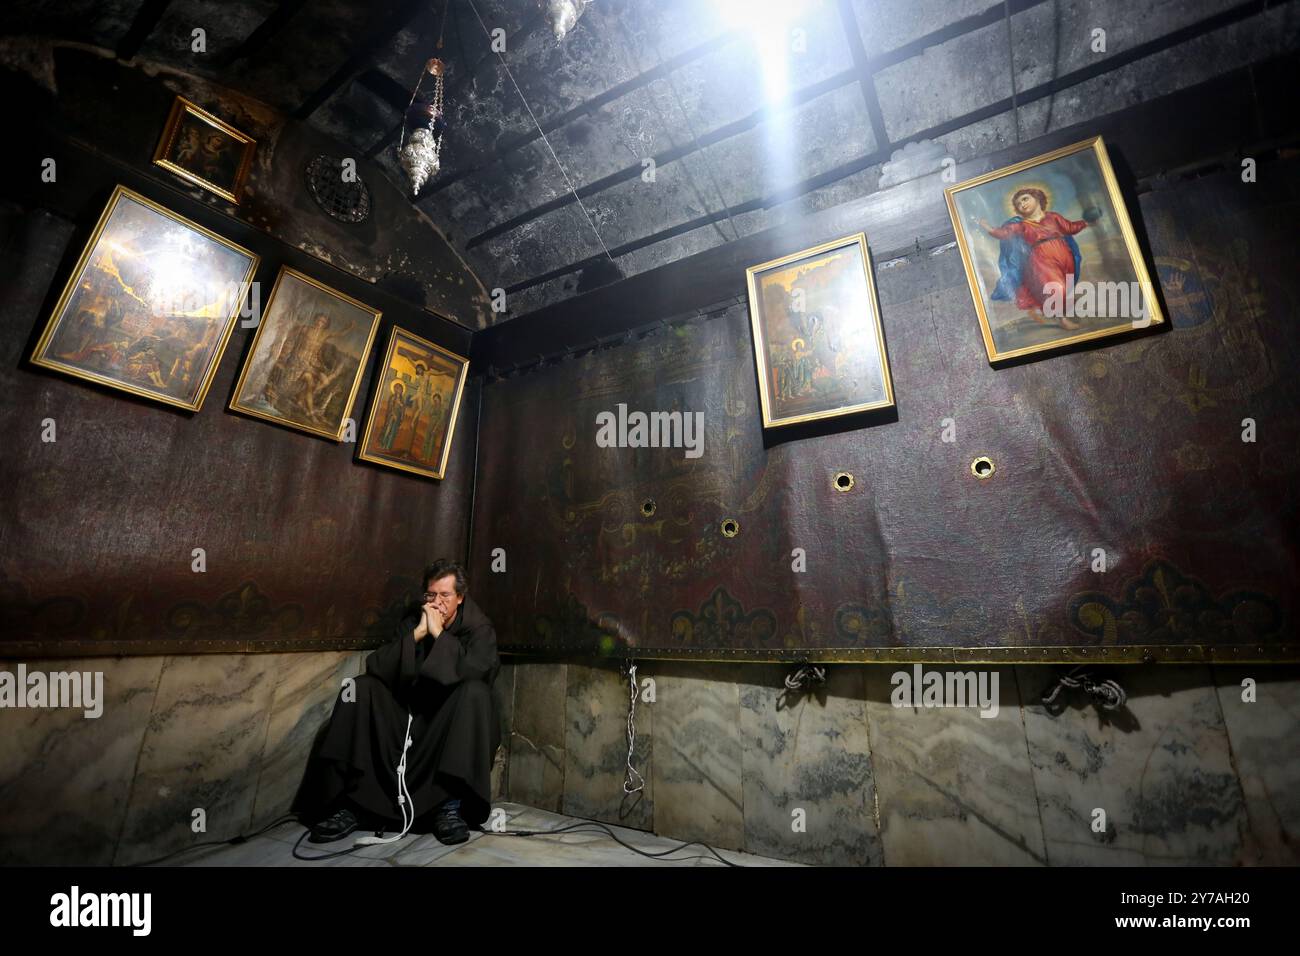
x,y
440,670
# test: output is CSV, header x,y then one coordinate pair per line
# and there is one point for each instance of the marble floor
x,y
588,846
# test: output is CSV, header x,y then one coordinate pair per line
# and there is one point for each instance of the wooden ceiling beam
x,y
265,32
363,55
146,19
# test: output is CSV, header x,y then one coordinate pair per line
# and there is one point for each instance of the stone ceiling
x,y
678,82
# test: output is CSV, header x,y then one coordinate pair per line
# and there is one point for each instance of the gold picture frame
x,y
205,150
150,305
1039,280
298,366
428,381
819,305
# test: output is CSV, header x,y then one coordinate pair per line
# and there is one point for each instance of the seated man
x,y
440,670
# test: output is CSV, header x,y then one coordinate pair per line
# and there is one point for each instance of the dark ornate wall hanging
x,y
1105,506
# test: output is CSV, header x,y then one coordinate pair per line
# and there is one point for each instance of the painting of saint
x,y
413,415
394,411
205,150
818,340
1050,253
150,305
1037,254
306,360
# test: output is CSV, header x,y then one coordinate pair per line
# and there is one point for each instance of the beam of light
x,y
769,27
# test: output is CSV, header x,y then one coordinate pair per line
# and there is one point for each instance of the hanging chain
x,y
437,88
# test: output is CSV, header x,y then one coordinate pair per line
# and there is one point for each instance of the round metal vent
x,y
347,200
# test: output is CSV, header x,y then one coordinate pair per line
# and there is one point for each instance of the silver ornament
x,y
563,15
419,158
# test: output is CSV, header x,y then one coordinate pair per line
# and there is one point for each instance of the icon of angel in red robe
x,y
1038,253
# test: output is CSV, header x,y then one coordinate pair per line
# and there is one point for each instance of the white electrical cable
x,y
404,800
631,738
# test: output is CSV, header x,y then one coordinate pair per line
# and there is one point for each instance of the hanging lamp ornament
x,y
563,15
420,151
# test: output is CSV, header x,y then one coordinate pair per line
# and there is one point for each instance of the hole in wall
x,y
982,467
648,507
843,481
730,527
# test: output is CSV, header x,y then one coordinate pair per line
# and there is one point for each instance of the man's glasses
x,y
431,595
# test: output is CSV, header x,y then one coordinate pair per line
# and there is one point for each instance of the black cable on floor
x,y
613,836
323,856
233,841
572,827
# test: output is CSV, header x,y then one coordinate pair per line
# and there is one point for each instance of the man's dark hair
x,y
440,569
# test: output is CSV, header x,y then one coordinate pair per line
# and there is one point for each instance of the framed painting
x,y
1050,254
205,150
304,366
818,341
416,402
150,304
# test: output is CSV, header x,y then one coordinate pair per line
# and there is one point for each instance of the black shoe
x,y
335,827
449,828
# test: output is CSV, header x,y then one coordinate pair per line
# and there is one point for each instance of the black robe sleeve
x,y
397,663
469,652
465,651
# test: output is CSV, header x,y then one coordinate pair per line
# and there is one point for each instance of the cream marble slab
x,y
307,687
427,851
501,771
266,852
65,779
1161,770
954,788
808,753
538,708
504,693
202,749
536,773
1265,739
587,846
596,750
697,754
415,849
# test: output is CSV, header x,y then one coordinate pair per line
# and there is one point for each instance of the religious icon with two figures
x,y
1050,253
305,364
205,150
413,412
818,341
